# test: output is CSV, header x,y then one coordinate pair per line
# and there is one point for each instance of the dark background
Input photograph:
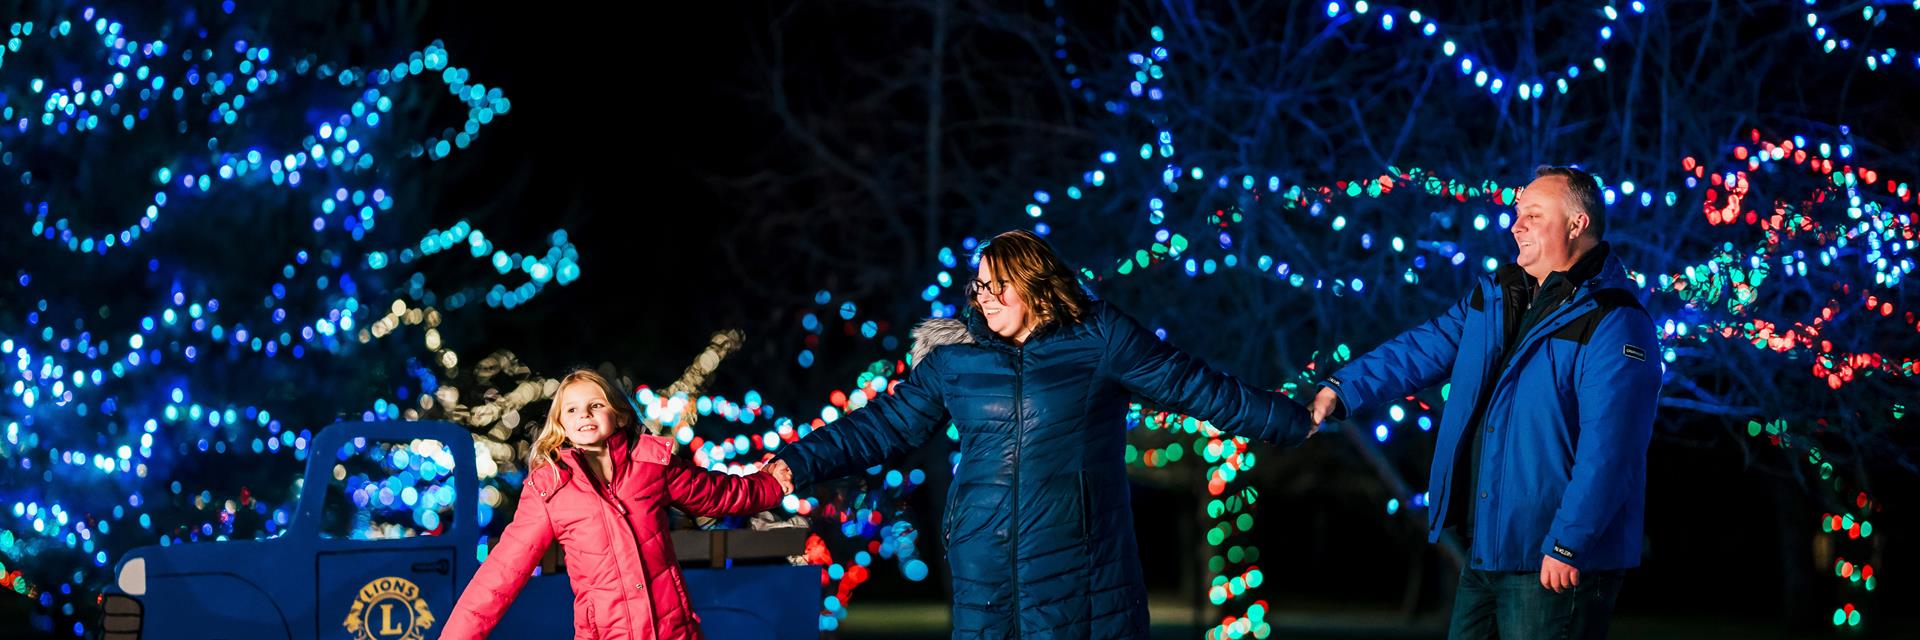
x,y
651,136
1728,532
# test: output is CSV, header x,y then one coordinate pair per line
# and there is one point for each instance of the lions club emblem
x,y
389,609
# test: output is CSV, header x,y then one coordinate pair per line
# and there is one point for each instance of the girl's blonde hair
x,y
553,436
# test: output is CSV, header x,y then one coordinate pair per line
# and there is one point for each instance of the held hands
x,y
778,469
1323,405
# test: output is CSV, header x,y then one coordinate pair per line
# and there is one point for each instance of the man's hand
x,y
1323,405
1558,576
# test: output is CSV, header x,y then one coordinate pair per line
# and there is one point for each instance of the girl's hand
x,y
780,472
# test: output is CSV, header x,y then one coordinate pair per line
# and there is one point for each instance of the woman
x,y
1036,377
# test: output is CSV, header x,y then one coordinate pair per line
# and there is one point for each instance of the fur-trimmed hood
x,y
933,333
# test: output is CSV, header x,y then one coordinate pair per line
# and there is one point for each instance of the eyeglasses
x,y
994,288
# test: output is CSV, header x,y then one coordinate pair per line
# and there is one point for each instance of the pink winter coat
x,y
620,560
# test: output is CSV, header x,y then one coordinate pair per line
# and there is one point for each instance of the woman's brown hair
x,y
1048,287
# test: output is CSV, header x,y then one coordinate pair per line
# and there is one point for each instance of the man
x,y
1541,457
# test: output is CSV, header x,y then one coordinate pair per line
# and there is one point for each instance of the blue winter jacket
x,y
1038,523
1564,427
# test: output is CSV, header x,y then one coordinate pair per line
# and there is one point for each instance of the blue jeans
x,y
1510,605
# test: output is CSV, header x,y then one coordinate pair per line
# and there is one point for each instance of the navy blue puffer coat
x,y
1038,522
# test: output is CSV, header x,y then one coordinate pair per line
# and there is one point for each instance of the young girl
x,y
601,488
